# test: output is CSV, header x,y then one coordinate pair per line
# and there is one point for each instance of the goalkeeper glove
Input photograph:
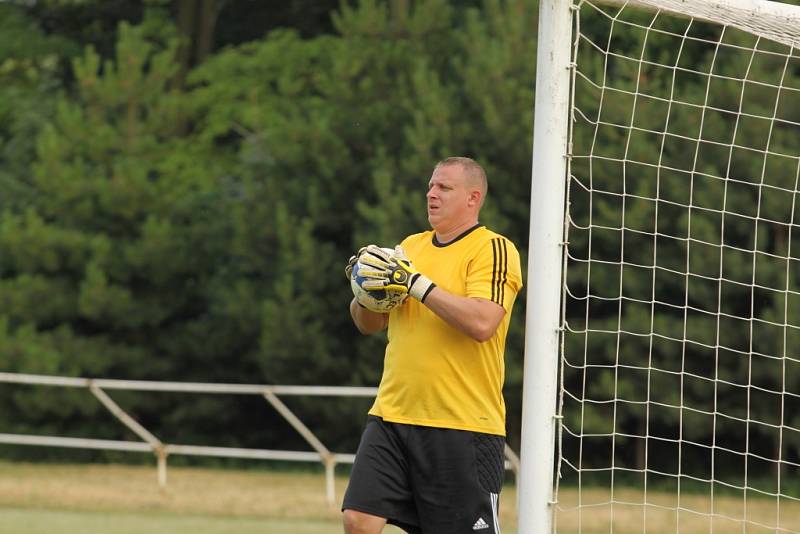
x,y
348,270
375,261
398,274
371,255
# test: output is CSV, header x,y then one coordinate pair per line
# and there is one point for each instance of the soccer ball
x,y
378,301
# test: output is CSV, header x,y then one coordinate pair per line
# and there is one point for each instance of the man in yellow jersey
x,y
431,456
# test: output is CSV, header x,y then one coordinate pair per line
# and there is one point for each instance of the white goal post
x,y
662,352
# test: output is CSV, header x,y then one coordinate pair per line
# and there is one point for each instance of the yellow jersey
x,y
433,374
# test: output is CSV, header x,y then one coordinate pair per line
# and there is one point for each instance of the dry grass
x,y
301,496
190,491
665,513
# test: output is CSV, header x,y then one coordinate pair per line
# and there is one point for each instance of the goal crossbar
x,y
772,20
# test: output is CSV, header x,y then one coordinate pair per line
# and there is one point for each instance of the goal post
x,y
662,352
543,310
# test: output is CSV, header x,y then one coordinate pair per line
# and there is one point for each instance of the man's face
x,y
450,201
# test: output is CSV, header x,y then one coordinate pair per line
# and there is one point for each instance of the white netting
x,y
680,397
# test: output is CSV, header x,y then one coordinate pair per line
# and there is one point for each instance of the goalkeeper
x,y
431,458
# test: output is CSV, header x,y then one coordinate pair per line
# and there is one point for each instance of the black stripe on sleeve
x,y
494,268
505,272
499,270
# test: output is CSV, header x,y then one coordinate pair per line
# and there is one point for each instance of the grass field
x,y
667,513
115,499
103,499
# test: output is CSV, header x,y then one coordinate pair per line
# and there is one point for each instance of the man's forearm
x,y
477,318
367,322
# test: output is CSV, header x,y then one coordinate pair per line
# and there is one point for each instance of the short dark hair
x,y
471,168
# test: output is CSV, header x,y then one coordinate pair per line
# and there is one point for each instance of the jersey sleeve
x,y
495,273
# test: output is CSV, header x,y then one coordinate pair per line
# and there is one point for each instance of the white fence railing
x,y
151,443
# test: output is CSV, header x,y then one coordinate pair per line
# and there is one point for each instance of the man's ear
x,y
474,198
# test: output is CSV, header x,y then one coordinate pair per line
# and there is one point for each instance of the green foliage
x,y
215,252
200,233
102,274
31,63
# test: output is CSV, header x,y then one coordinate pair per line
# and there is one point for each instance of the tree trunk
x,y
185,22
205,29
196,21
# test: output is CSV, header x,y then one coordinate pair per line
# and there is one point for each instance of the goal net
x,y
679,400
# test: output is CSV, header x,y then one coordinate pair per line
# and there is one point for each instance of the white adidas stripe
x,y
481,524
495,518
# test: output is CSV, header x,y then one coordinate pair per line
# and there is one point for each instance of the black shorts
x,y
428,480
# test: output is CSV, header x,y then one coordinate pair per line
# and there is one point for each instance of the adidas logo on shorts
x,y
480,524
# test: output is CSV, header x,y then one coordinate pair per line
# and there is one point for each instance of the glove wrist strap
x,y
420,287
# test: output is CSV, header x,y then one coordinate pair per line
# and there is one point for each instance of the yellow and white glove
x,y
393,272
371,255
348,270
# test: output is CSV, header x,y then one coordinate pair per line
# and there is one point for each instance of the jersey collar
x,y
437,243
